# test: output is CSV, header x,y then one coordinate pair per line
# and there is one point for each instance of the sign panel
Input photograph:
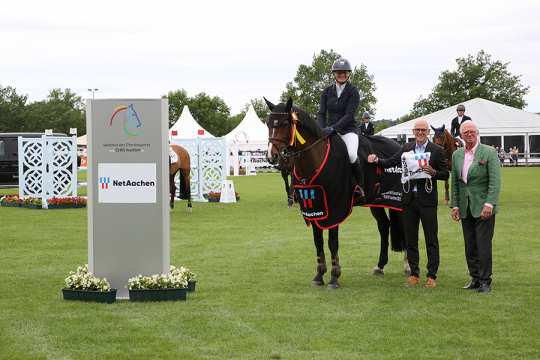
x,y
127,183
128,214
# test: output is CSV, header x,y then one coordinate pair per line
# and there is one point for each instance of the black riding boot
x,y
360,195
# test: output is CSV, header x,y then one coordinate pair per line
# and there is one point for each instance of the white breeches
x,y
351,141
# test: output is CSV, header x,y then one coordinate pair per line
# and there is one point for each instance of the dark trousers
x,y
413,213
478,236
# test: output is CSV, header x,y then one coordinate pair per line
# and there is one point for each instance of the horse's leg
x,y
333,244
321,261
285,176
383,224
172,189
187,187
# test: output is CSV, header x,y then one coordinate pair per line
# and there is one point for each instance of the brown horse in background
x,y
443,138
183,165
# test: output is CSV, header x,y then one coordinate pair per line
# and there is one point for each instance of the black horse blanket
x,y
327,198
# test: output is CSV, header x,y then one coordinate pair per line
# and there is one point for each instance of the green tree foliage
x,y
12,110
310,81
62,110
476,77
177,100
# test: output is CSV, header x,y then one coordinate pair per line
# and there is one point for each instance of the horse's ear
x,y
288,106
443,127
434,129
269,104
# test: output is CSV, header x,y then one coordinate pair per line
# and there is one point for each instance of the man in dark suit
x,y
458,120
420,202
366,128
476,183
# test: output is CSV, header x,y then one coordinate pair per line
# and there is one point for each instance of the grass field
x,y
254,299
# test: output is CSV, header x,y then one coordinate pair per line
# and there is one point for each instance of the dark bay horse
x,y
442,137
295,136
179,162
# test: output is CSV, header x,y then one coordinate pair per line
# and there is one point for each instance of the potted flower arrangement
x,y
159,287
214,196
11,201
190,276
83,285
66,202
32,203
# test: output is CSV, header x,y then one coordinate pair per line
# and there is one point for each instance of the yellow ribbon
x,y
296,134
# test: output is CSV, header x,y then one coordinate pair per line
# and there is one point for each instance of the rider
x,y
458,120
337,109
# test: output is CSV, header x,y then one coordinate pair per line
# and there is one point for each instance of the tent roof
x,y
251,129
491,118
187,128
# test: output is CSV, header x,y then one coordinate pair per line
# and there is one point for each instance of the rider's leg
x,y
351,141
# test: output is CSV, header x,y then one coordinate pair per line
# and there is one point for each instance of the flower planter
x,y
191,286
89,295
158,294
213,199
7,204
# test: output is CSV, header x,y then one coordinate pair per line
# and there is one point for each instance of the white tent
x,y
250,130
81,140
498,124
187,128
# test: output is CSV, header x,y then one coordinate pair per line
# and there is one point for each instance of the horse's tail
x,y
397,235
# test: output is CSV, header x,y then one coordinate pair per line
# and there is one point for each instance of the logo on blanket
x,y
312,199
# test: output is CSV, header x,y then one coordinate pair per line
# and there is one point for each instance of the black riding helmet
x,y
341,64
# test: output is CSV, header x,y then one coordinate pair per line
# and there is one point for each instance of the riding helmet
x,y
365,115
460,107
341,64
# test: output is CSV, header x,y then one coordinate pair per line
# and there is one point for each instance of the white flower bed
x,y
82,279
177,278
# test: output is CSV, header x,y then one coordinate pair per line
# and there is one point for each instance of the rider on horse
x,y
337,109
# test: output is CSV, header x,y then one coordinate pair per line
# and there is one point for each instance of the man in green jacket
x,y
476,183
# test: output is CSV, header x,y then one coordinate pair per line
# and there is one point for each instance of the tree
x,y
310,81
177,100
62,110
12,110
211,112
475,77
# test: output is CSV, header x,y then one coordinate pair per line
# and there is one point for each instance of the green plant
x,y
82,279
175,279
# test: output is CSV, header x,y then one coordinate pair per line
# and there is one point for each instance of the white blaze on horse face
x,y
269,153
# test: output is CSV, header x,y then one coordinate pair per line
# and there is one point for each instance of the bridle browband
x,y
285,121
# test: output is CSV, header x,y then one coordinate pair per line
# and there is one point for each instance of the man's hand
x,y
455,214
486,212
429,170
327,131
372,158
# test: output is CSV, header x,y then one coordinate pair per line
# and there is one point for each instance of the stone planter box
x,y
158,294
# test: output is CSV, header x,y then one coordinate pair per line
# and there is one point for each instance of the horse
x,y
293,135
442,137
179,162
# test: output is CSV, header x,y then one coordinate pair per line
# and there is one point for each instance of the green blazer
x,y
483,181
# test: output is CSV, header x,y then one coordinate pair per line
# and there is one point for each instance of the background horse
x,y
181,163
293,135
442,137
284,167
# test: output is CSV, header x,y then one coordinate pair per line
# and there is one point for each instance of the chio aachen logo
x,y
106,183
131,121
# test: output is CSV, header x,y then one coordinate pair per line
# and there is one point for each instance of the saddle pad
x,y
312,199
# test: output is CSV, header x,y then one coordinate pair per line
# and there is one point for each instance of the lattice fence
x,y
48,167
208,165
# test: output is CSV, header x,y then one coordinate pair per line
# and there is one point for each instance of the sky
x,y
241,50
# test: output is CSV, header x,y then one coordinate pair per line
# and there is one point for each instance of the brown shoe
x,y
430,283
413,280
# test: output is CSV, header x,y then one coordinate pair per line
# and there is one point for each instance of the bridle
x,y
291,121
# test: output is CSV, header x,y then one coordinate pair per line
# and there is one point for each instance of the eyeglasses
x,y
420,130
471,132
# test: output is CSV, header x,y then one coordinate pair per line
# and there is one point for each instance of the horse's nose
x,y
272,159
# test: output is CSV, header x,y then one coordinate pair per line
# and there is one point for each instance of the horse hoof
x,y
378,271
333,286
317,282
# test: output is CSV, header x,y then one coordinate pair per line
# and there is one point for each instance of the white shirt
x,y
339,89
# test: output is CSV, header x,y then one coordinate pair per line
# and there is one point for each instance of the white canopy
x,y
250,130
81,140
187,128
492,119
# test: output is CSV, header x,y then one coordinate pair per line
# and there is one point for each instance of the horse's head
x,y
439,136
286,125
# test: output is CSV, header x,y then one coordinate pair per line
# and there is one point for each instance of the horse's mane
x,y
308,123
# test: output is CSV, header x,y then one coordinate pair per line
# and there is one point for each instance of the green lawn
x,y
254,299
